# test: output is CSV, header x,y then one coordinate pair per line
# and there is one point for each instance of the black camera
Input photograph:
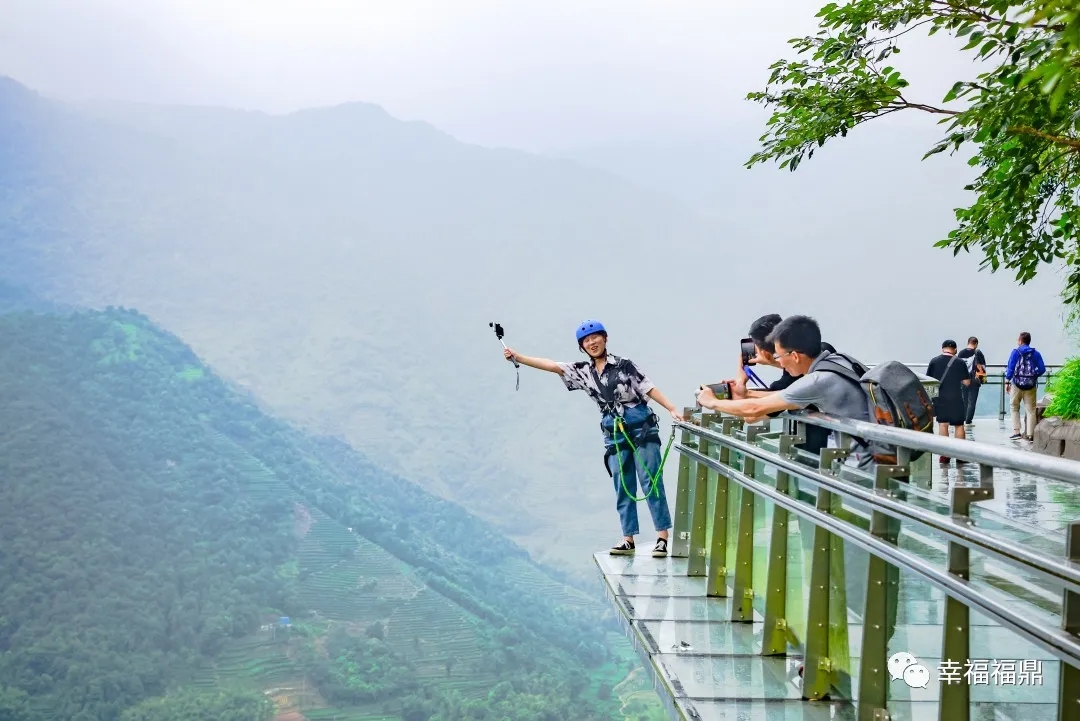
x,y
748,349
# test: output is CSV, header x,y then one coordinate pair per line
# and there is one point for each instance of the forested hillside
x,y
156,527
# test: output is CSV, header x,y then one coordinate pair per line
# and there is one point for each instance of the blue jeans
x,y
625,468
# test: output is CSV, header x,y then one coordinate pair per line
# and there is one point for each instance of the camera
x,y
748,349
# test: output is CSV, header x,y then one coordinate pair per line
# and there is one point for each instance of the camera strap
x,y
753,376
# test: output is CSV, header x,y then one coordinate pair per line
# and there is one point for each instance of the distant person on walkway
x,y
1021,379
797,341
816,436
952,376
622,392
976,365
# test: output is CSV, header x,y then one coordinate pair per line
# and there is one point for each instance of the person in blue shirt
x,y
1021,380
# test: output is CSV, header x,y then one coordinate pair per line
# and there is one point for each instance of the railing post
x,y
680,543
1069,677
699,507
742,602
879,612
1001,402
778,633
827,653
716,579
955,702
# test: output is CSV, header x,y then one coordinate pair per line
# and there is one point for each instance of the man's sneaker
x,y
660,549
626,548
1015,437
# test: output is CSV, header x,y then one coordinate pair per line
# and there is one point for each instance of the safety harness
x,y
646,431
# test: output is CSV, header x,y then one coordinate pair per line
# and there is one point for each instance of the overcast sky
x,y
552,75
531,74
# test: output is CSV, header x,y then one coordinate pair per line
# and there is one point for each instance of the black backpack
x,y
894,394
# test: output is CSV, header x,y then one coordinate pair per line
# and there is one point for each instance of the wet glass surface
x,y
757,710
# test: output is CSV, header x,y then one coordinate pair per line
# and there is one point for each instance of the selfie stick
x,y
499,334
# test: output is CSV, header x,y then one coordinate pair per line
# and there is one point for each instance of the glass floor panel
x,y
702,638
673,608
757,710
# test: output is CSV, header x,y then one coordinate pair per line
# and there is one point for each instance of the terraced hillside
x,y
346,579
220,549
534,581
443,642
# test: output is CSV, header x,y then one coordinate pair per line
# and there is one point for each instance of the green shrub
x,y
1064,386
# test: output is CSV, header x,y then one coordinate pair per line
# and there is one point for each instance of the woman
x,y
622,392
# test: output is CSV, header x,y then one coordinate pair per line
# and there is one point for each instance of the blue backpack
x,y
1024,375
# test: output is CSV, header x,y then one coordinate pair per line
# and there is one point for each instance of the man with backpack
x,y
835,384
760,330
1021,380
953,376
976,366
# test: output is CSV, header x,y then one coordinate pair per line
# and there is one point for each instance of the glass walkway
x,y
800,589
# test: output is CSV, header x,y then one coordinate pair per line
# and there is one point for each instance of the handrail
x,y
995,377
1013,459
728,468
1003,366
1058,570
1061,644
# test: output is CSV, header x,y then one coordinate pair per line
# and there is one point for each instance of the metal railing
x,y
995,376
723,474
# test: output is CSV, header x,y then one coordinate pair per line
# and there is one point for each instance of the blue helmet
x,y
588,328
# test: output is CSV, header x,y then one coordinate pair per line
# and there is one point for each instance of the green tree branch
x,y
1021,116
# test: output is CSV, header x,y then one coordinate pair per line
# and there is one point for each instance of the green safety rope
x,y
617,428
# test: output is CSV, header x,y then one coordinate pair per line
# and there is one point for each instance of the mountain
x,y
169,549
343,267
16,297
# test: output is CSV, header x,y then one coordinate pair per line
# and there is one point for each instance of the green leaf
x,y
1051,78
951,95
975,39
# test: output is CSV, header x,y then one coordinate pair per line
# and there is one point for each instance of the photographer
x,y
622,393
797,348
765,354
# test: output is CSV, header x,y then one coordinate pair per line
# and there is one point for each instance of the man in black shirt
x,y
816,436
977,370
952,376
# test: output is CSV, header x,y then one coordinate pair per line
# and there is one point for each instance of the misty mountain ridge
x,y
343,266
